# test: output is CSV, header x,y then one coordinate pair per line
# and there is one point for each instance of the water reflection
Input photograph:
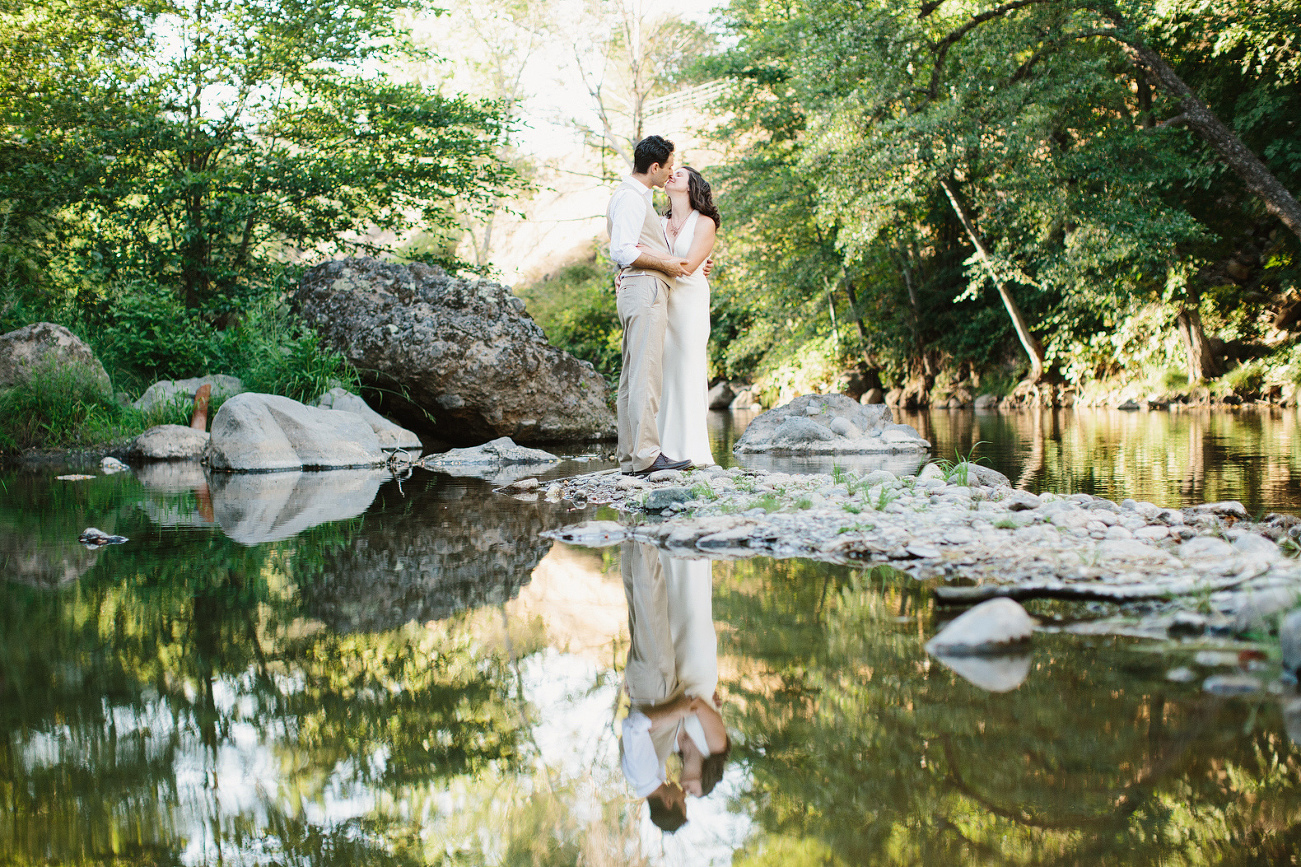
x,y
671,678
415,685
1172,459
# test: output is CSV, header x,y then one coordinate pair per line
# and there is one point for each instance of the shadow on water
x,y
417,679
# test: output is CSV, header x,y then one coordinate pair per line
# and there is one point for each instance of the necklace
x,y
675,226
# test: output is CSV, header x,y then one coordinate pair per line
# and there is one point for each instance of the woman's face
x,y
679,181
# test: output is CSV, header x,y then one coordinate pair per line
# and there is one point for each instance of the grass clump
x,y
63,406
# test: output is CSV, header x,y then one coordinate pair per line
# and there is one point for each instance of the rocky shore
x,y
1138,568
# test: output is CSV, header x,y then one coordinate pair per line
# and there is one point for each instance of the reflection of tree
x,y
427,553
132,700
858,741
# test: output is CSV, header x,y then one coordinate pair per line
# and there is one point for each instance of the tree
x,y
223,138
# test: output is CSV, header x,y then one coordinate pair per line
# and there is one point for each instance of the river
x,y
349,668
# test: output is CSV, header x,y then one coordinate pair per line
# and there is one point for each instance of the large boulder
x,y
827,424
266,432
166,392
391,436
27,351
464,353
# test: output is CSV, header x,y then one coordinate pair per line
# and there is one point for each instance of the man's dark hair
x,y
667,818
650,150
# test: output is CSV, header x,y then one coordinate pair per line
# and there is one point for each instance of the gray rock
x,y
253,508
167,391
110,465
1289,637
795,432
991,627
978,474
1259,609
465,352
500,452
664,476
746,398
169,442
1226,509
33,349
1205,548
266,432
1020,501
720,396
661,498
391,436
845,428
805,426
1254,543
986,402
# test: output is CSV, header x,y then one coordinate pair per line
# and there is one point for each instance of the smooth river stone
x,y
990,627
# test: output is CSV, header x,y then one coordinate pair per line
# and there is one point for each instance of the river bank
x,y
1203,570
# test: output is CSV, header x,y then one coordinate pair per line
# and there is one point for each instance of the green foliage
x,y
847,120
575,308
275,353
62,406
1245,380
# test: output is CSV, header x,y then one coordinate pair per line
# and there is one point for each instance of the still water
x,y
345,668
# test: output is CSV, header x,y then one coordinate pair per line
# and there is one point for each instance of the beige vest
x,y
652,232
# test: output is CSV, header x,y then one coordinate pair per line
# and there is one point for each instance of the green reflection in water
x,y
862,749
366,693
1172,459
178,702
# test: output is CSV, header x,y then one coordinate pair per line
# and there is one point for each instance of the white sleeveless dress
x,y
684,400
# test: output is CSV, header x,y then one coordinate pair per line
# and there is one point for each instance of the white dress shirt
x,y
627,216
641,766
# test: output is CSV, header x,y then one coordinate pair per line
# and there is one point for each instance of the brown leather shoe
x,y
663,462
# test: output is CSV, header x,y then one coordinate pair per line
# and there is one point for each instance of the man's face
x,y
662,174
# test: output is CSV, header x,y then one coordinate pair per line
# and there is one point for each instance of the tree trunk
x,y
1201,362
1033,348
1255,176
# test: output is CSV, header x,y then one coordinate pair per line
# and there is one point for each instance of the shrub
x,y
576,310
273,352
1245,380
63,406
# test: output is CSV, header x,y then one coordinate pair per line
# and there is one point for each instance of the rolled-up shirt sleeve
x,y
641,766
627,214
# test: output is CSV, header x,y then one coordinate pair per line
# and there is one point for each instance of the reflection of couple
x,y
663,303
672,681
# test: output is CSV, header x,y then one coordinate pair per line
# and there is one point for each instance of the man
x,y
646,274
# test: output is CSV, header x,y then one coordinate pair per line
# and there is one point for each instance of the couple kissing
x,y
663,303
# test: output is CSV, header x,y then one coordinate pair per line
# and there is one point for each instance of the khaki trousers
x,y
651,672
643,304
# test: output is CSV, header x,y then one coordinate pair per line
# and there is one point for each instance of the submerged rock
x,y
266,432
462,352
825,424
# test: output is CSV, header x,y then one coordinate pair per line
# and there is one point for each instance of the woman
x,y
690,227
